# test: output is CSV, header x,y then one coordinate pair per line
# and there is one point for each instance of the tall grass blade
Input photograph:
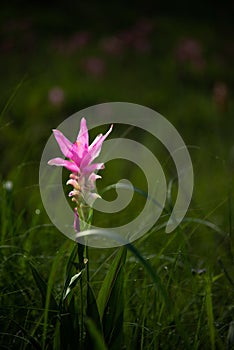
x,y
93,317
42,286
110,302
210,315
92,308
12,96
109,281
97,338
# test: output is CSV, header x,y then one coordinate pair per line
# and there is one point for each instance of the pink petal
x,y
73,182
97,138
64,144
83,138
95,148
66,163
90,197
92,179
77,153
68,149
92,167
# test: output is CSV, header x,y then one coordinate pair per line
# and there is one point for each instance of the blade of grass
x,y
93,315
12,96
209,310
98,341
42,286
109,281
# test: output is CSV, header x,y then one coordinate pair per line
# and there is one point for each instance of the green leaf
x,y
93,316
111,303
149,269
42,286
98,342
70,268
56,337
92,308
70,315
109,281
70,337
210,314
72,284
113,315
152,273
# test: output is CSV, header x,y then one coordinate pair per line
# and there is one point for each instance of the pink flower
x,y
80,153
190,50
56,96
80,157
95,66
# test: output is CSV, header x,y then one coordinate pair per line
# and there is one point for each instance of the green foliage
x,y
97,342
111,302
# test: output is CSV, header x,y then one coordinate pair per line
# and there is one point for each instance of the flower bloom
x,y
80,157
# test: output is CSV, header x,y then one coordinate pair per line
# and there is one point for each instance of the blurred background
x,y
58,57
176,58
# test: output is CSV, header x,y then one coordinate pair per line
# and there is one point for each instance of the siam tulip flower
x,y
80,162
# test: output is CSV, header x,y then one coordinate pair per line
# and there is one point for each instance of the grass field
x,y
164,291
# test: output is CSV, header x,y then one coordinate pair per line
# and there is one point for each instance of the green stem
x,y
82,250
87,264
82,311
80,253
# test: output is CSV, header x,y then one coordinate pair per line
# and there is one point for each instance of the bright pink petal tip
x,y
96,146
83,136
64,144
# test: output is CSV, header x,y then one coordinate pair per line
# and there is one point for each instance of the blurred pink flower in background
x,y
72,44
94,66
112,45
220,95
190,50
142,31
78,41
136,37
56,96
17,35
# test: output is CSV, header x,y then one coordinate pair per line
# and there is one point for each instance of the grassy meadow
x,y
163,291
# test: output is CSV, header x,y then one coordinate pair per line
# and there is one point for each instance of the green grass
x,y
168,291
